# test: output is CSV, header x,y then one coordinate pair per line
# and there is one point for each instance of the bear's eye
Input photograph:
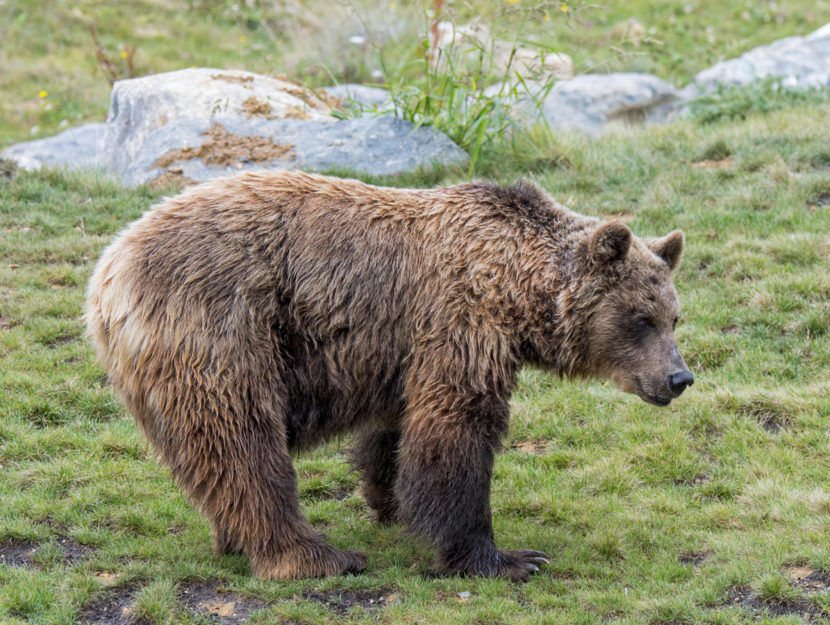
x,y
644,323
674,323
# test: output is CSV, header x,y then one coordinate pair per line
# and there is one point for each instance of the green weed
x,y
763,96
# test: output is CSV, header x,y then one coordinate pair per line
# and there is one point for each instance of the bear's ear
x,y
610,243
669,248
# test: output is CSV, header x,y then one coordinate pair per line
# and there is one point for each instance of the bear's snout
x,y
680,380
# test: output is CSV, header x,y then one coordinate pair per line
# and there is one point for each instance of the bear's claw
x,y
519,564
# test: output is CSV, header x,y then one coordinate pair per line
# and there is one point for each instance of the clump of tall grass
x,y
476,105
480,91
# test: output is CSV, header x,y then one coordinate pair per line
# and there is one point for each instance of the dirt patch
x,y
810,580
536,446
17,552
769,413
114,608
695,558
239,80
697,478
23,552
73,551
770,421
254,107
171,178
822,199
747,598
722,163
61,339
332,101
308,98
229,608
342,601
8,168
223,148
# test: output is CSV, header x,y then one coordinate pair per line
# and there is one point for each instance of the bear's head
x,y
629,331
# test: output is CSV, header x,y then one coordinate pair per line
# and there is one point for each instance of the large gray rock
x,y
592,103
226,144
140,106
76,148
798,61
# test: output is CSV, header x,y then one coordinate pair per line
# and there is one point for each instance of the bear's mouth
x,y
654,400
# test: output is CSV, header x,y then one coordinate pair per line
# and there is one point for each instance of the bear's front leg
x,y
445,462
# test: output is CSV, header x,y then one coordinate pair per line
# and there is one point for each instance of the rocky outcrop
x,y
219,121
198,124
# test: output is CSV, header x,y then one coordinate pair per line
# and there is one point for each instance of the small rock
x,y
77,148
799,61
593,101
473,45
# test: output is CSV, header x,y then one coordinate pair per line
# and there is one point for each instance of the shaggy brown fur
x,y
256,315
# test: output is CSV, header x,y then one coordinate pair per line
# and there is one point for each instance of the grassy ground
x,y
50,77
714,510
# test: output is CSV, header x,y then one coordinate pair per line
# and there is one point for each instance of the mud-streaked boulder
x,y
195,150
140,106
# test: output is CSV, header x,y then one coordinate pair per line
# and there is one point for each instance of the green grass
x,y
650,515
696,513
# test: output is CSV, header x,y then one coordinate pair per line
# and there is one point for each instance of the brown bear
x,y
257,315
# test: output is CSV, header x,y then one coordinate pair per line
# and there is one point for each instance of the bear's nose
x,y
680,380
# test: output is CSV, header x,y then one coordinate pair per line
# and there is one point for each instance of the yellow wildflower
x,y
243,39
564,8
547,18
43,94
123,54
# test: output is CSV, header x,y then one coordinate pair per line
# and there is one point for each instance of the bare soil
x,y
114,608
221,606
207,599
536,446
254,107
17,552
171,178
694,558
341,602
22,552
809,580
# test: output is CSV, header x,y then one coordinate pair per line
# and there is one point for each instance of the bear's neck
x,y
553,329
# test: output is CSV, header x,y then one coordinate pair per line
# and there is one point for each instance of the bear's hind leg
x,y
375,455
252,501
224,440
